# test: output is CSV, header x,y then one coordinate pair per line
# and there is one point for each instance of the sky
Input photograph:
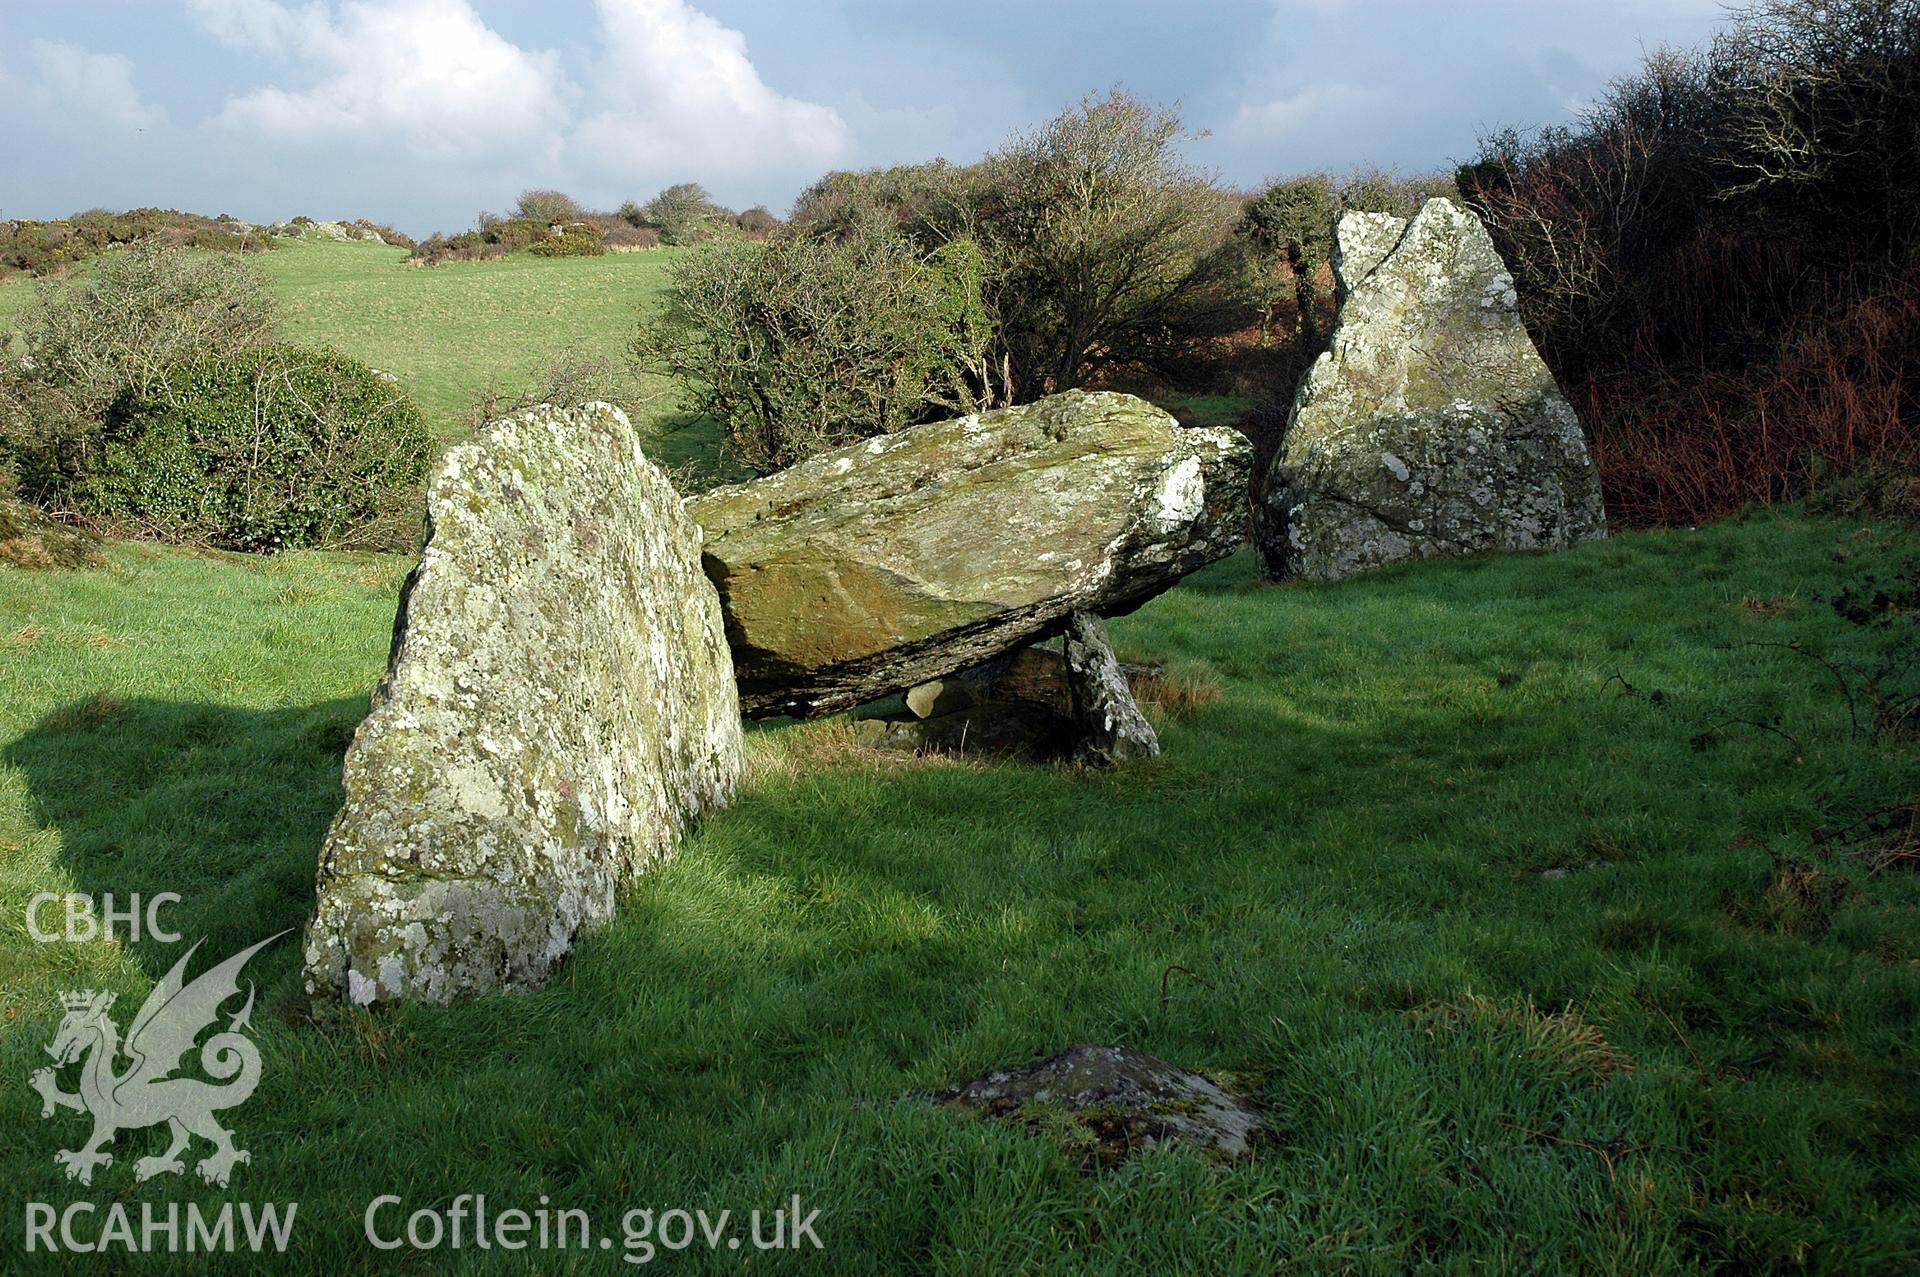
x,y
423,112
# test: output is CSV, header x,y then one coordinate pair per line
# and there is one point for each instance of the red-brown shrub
x,y
624,236
1719,262
1680,444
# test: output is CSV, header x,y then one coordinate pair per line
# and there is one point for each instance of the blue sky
x,y
423,112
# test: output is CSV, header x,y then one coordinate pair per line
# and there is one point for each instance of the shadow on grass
x,y
226,807
694,450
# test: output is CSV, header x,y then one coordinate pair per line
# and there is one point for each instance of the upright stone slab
x,y
1432,426
911,556
559,704
1111,727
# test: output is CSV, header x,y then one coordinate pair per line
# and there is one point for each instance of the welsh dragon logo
x,y
146,1092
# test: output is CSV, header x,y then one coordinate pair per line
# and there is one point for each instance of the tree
x,y
1108,248
801,344
1292,222
549,208
685,214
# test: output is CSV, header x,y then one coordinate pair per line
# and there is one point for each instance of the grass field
x,y
1692,1051
454,332
451,332
16,291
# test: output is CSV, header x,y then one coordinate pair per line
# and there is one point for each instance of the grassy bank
x,y
1693,1049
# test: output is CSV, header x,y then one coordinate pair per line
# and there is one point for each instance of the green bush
x,y
799,345
220,239
1109,251
387,233
929,203
85,344
578,374
575,241
1104,252
45,247
275,449
513,233
757,222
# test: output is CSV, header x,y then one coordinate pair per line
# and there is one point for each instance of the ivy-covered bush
x,y
278,448
574,241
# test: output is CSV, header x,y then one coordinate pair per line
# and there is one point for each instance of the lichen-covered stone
x,y
910,556
558,704
1111,727
1361,241
1432,426
1127,1100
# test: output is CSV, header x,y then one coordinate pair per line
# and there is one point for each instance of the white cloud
x,y
1317,106
263,25
675,91
66,84
667,93
429,75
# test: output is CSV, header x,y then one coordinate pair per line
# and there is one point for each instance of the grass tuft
x,y
1561,1040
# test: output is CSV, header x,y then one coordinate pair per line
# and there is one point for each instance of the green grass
x,y
454,331
16,290
1357,831
1207,410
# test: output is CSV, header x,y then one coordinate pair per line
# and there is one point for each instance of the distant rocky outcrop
x,y
1431,427
334,232
911,556
559,704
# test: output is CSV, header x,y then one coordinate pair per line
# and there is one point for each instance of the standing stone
x,y
1432,427
559,703
1111,727
908,557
